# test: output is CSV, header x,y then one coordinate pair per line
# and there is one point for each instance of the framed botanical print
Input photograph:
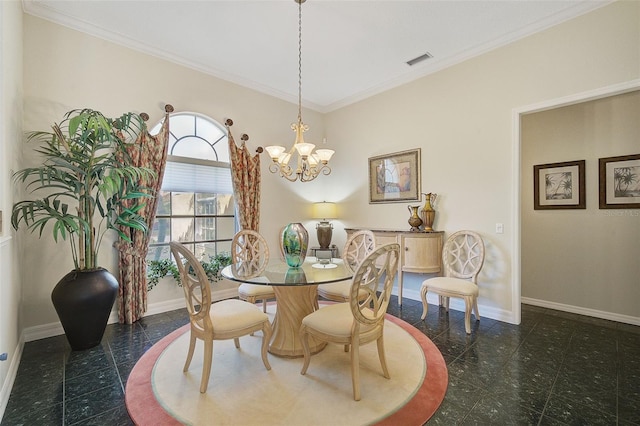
x,y
619,182
395,177
559,186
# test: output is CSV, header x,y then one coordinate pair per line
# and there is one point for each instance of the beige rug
x,y
242,392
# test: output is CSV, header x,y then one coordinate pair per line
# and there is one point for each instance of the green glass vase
x,y
295,239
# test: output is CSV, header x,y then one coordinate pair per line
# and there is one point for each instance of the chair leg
x,y
468,303
423,296
475,308
266,338
236,341
264,305
304,340
253,301
355,368
206,366
192,347
383,358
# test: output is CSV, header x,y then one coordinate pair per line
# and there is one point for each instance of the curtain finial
x,y
168,108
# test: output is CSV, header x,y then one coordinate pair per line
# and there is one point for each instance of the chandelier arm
x,y
326,170
274,168
284,171
290,177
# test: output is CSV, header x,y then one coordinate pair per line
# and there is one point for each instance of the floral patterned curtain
x,y
245,175
151,152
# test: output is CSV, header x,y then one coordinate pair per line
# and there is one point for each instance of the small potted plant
x,y
87,187
158,269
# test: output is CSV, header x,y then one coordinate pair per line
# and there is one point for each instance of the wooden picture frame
x,y
564,186
395,177
619,182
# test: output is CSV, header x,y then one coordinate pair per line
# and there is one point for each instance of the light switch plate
x,y
499,228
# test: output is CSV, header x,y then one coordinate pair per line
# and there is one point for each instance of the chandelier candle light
x,y
324,211
309,164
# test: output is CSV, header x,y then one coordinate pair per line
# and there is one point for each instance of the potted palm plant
x,y
88,187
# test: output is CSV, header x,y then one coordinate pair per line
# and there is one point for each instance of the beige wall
x,y
65,69
10,137
462,119
581,258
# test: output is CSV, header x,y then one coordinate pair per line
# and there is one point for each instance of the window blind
x,y
193,175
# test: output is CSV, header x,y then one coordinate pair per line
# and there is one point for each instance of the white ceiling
x,y
350,49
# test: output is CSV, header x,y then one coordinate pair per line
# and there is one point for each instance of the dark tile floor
x,y
554,368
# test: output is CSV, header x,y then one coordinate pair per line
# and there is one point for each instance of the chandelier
x,y
309,163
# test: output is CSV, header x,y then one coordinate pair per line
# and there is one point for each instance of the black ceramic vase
x,y
83,301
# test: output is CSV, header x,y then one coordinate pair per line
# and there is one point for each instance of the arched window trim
x,y
180,138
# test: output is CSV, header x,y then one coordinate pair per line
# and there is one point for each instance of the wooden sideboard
x,y
420,252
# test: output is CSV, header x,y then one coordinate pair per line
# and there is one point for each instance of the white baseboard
x,y
612,316
11,377
38,332
165,306
458,305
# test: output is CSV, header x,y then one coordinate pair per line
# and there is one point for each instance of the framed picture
x,y
559,186
620,182
395,177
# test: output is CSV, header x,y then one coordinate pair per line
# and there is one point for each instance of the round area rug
x,y
242,392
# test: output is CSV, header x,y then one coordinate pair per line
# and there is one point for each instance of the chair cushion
x,y
340,289
233,314
451,285
253,290
333,319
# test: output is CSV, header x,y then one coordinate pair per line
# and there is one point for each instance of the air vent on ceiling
x,y
418,59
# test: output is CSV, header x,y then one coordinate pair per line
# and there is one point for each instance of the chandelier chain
x,y
299,61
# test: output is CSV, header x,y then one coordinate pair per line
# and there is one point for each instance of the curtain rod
x,y
229,122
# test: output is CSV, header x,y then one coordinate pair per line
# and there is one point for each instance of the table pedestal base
x,y
293,304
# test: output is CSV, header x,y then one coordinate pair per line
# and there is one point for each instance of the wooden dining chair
x,y
356,249
251,248
462,257
360,320
223,320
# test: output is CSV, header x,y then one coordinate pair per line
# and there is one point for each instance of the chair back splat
x,y
357,248
463,255
196,286
250,253
374,277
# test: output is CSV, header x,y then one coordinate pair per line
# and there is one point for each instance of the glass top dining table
x,y
296,292
278,273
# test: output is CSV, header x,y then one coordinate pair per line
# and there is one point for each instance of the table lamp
x,y
324,211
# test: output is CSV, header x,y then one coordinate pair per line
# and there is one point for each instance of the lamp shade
x,y
324,210
325,154
304,149
275,151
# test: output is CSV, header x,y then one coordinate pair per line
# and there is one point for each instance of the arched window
x,y
196,205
